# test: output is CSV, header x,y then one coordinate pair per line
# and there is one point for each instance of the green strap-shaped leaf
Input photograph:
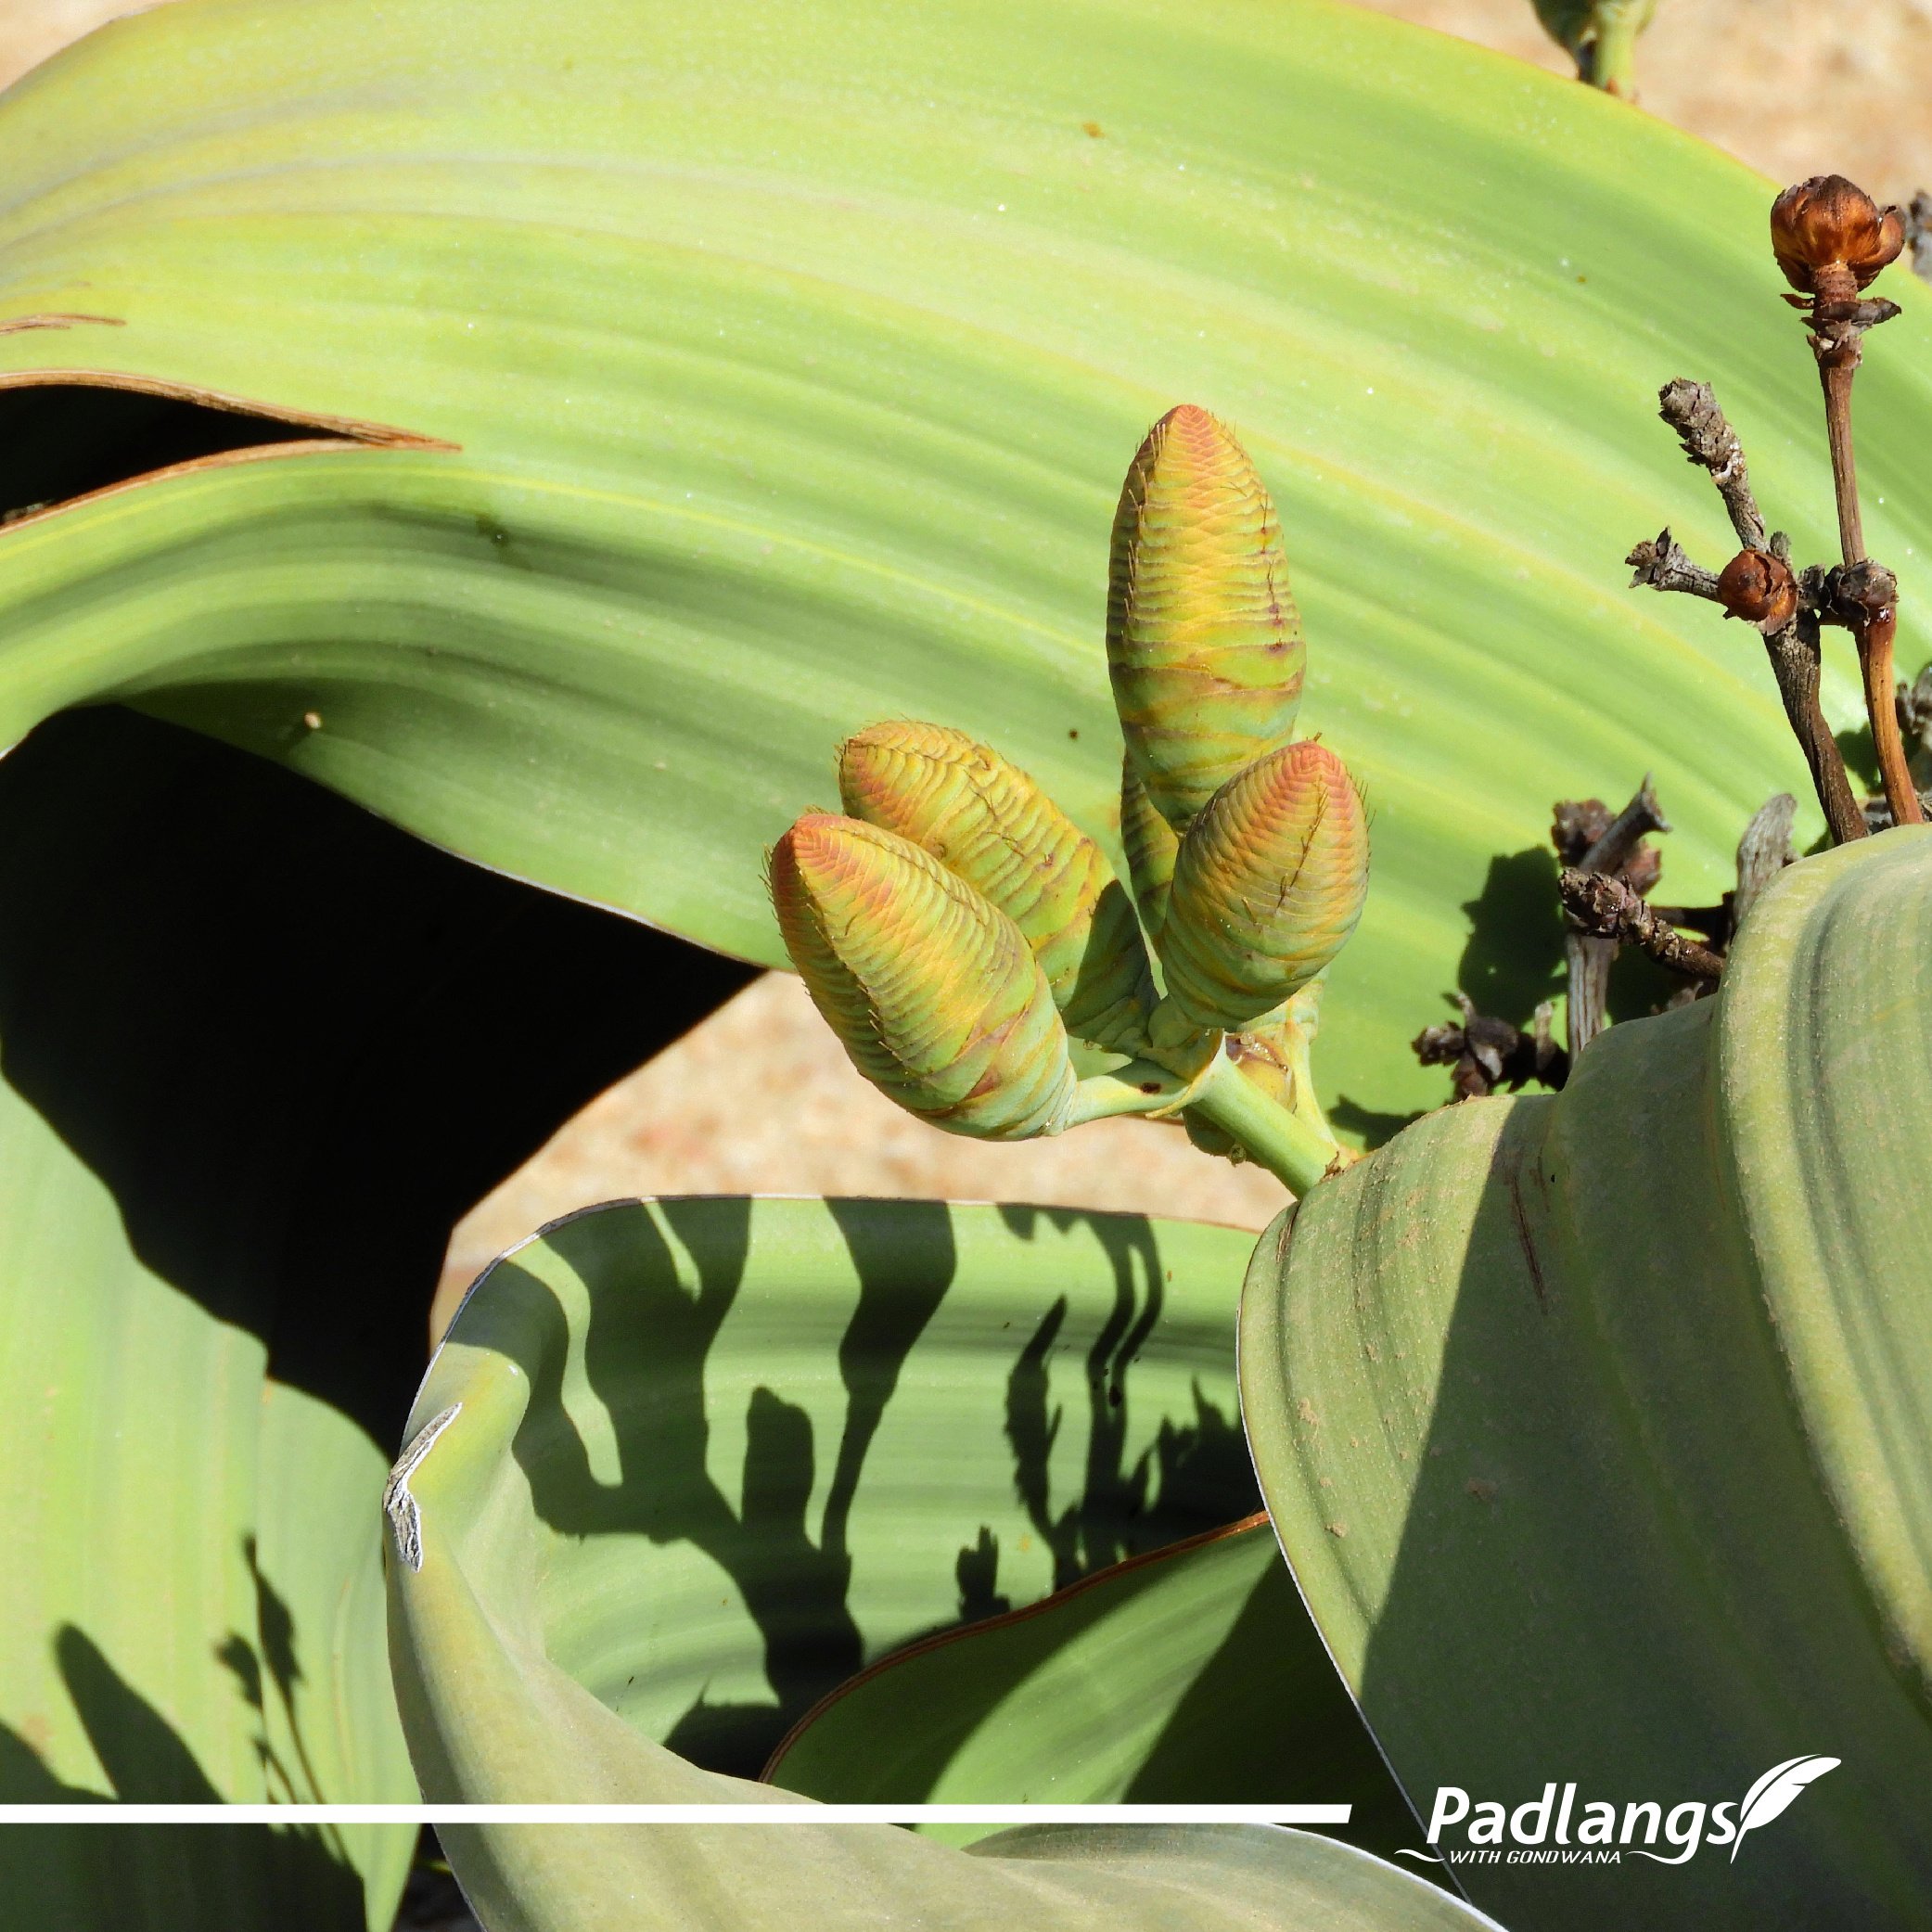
x,y
853,1877
793,392
1599,1428
1188,1675
680,1464
761,1442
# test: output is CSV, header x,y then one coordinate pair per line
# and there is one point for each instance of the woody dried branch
x,y
1604,911
1483,1053
1605,907
1757,587
1831,240
1590,838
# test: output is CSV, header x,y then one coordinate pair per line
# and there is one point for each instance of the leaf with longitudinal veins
x,y
1597,1427
755,386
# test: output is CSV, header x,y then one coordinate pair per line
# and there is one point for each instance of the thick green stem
x,y
1297,1154
1602,35
1612,55
1138,1088
1295,1150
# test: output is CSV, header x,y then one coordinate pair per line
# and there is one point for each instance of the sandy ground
x,y
1794,87
760,1098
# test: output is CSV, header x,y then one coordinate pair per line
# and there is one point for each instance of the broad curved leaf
x,y
757,1443
1189,1675
1599,1428
850,1878
794,355
677,1462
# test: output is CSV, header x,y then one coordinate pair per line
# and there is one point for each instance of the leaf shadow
x,y
239,1876
793,1576
294,1045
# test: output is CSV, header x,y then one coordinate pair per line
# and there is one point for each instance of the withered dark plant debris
x,y
1609,868
1830,240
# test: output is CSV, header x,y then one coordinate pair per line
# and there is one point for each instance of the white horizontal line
x,y
109,1813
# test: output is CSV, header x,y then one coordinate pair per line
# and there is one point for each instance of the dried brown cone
x,y
1827,228
1761,589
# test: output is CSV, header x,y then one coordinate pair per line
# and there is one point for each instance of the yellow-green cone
x,y
933,992
1203,641
1151,849
988,824
1268,883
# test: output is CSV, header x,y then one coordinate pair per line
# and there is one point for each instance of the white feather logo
x,y
1772,1792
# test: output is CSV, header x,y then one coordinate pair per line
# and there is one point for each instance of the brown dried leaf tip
x,y
1827,228
1761,589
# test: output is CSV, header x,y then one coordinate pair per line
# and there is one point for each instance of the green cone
x,y
988,824
1151,849
1203,642
1268,885
933,992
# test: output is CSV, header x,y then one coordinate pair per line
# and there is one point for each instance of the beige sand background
x,y
759,1097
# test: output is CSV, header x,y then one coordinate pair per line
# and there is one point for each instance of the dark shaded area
x,y
1265,1717
142,1757
1189,1479
207,1876
138,1749
977,1571
1860,751
273,1646
793,1587
794,1576
296,1044
1372,1126
432,1900
1514,956
1270,1713
61,440
897,1295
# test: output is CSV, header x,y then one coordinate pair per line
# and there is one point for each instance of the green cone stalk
x,y
933,992
988,824
1268,886
1151,849
1203,642
1273,1056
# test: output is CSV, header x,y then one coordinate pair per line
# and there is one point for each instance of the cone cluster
x,y
960,933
